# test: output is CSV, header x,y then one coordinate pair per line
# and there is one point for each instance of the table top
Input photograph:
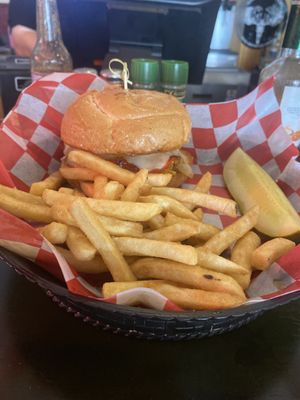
x,y
46,353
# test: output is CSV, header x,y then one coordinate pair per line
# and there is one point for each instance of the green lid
x,y
174,72
144,70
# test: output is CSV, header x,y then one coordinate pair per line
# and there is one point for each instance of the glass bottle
x,y
174,77
144,73
49,54
286,71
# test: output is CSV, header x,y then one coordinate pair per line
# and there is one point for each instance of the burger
x,y
133,128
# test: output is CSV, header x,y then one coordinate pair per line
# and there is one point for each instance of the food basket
x,y
140,322
30,148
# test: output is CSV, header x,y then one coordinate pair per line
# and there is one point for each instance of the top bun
x,y
117,121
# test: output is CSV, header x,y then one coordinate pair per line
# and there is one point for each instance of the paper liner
x,y
31,148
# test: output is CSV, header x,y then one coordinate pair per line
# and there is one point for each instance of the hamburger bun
x,y
126,122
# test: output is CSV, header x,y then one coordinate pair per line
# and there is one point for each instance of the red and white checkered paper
x,y
31,148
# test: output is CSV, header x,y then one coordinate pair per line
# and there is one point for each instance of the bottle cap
x,y
174,72
144,70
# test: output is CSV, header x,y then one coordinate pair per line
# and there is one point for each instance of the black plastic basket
x,y
141,322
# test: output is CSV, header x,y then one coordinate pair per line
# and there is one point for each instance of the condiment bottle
x,y
49,54
174,77
144,73
286,72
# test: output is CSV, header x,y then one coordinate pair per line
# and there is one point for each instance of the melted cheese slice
x,y
151,161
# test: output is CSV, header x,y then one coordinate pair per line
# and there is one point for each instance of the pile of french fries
x,y
103,218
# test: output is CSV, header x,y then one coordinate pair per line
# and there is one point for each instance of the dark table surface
x,y
46,353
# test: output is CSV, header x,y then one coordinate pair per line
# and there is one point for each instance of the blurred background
x,y
225,42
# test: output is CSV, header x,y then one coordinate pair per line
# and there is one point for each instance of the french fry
x,y
191,276
101,166
217,263
94,266
24,210
194,299
220,204
125,210
77,192
60,213
55,232
53,181
204,183
158,179
99,183
222,240
169,204
22,196
113,190
113,226
22,249
199,213
202,231
78,174
155,248
132,191
183,165
156,222
174,233
100,238
241,254
66,190
87,188
80,245
269,252
52,197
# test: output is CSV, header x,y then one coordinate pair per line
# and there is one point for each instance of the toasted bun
x,y
116,121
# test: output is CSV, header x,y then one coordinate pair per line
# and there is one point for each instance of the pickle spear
x,y
250,185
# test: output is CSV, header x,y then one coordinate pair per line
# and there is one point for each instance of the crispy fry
x,y
77,192
114,226
132,192
158,179
269,252
113,190
241,254
100,238
169,204
78,174
94,266
174,233
125,210
184,165
199,213
204,183
102,167
60,213
20,195
216,203
155,248
66,190
156,222
191,276
194,299
52,197
222,240
80,245
53,181
22,209
99,183
87,188
217,263
55,232
203,231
